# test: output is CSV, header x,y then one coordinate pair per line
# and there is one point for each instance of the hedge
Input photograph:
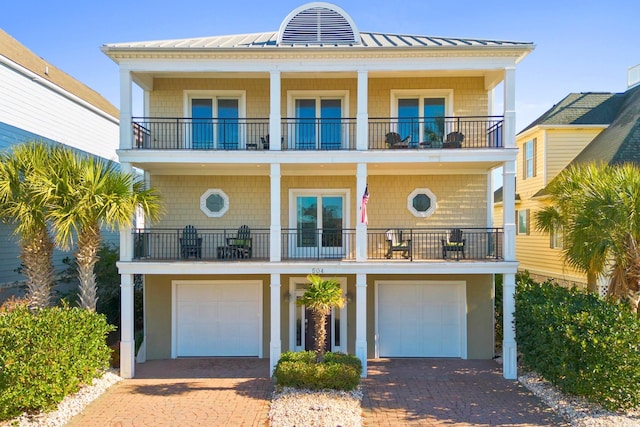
x,y
337,371
582,344
47,355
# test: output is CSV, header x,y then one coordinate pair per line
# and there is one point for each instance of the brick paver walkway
x,y
448,392
236,392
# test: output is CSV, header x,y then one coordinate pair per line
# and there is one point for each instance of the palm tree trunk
x,y
86,258
36,255
319,318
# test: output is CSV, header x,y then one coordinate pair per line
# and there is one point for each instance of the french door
x,y
318,221
318,124
215,123
421,118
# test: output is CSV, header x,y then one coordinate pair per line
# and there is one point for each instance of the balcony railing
x,y
315,244
318,134
411,244
418,244
207,245
435,132
155,133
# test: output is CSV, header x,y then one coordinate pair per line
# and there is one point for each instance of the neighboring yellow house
x,y
583,127
285,132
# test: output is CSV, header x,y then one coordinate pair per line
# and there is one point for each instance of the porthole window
x,y
214,203
421,202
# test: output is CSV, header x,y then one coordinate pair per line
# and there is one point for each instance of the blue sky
x,y
581,46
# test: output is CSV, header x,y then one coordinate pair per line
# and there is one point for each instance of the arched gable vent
x,y
318,23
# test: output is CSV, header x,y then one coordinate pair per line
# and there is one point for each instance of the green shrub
x,y
584,345
336,372
48,354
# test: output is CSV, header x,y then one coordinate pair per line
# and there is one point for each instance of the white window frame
x,y
215,95
203,203
420,94
556,239
430,195
293,95
526,172
523,215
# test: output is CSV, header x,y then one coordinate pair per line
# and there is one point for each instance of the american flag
x,y
365,199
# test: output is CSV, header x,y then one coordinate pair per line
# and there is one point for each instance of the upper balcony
x,y
302,134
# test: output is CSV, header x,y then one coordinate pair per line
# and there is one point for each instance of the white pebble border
x,y
70,406
576,410
304,408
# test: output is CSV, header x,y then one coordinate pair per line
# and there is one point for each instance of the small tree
x,y
321,297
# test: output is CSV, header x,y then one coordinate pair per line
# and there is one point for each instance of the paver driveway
x,y
236,392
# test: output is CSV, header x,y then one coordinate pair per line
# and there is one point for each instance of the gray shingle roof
x,y
590,108
269,40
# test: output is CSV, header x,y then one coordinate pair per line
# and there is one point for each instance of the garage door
x,y
218,319
421,320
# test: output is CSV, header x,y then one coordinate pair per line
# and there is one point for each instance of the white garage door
x,y
218,319
421,320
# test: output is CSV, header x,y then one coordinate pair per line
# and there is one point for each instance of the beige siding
x,y
528,187
563,145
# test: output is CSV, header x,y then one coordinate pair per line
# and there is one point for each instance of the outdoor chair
x,y
398,244
241,245
453,243
395,141
190,243
453,140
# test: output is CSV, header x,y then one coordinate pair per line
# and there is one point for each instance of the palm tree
x,y
597,208
89,193
321,297
22,205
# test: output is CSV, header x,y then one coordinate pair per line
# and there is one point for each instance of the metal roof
x,y
269,40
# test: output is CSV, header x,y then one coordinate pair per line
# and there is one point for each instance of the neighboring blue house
x,y
41,102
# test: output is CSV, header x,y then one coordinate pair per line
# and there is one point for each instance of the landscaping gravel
x,y
303,408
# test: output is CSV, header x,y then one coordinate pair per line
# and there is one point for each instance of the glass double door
x,y
318,124
215,124
422,119
319,226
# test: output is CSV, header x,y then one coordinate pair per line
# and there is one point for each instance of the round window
x,y
214,203
421,202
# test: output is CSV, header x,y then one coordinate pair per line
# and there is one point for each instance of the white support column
x,y
126,234
127,343
126,132
509,107
362,116
275,239
275,345
361,229
509,349
508,210
361,320
275,117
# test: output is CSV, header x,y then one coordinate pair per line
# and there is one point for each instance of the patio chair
x,y
398,244
395,141
453,140
190,243
241,245
453,243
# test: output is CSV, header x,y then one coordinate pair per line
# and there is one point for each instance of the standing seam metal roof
x,y
269,40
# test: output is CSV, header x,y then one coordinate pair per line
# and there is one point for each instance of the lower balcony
x,y
389,244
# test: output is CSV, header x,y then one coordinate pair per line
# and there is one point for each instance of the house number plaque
x,y
317,270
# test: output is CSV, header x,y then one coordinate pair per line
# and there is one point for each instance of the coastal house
x,y
580,128
38,101
321,149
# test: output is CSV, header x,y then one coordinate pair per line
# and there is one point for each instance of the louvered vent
x,y
318,23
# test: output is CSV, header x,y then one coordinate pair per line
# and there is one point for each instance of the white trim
x,y
430,195
462,289
203,203
342,95
313,5
174,308
294,293
447,94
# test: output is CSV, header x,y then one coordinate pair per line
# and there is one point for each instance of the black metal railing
x,y
435,132
203,245
318,244
479,244
180,133
318,134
